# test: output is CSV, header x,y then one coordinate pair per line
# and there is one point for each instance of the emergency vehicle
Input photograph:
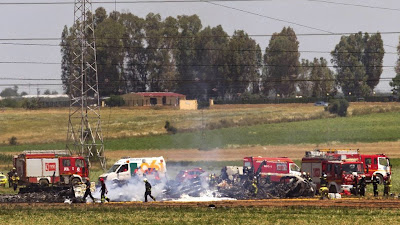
x,y
50,167
340,173
274,168
378,164
127,168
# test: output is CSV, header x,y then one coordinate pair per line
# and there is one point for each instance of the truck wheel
x,y
44,182
332,189
75,181
380,178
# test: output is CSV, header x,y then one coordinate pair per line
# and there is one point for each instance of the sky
x,y
264,17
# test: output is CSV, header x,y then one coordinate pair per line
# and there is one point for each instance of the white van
x,y
126,168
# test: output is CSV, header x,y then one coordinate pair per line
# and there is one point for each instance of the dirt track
x,y
349,202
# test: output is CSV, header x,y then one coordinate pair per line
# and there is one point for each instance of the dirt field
x,y
392,149
314,202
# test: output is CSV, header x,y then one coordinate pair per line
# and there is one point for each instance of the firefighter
x,y
88,192
15,180
212,179
309,177
386,185
355,184
254,187
10,174
324,180
148,190
375,181
324,186
103,191
362,185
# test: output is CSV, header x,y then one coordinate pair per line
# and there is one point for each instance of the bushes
x,y
115,100
13,140
338,106
31,103
169,128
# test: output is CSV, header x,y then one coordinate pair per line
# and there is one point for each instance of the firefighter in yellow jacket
x,y
15,180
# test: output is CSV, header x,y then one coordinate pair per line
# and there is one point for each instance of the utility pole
x,y
84,135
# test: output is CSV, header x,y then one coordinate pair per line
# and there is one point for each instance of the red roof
x,y
159,94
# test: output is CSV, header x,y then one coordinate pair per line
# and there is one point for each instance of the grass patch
x,y
14,214
50,125
371,128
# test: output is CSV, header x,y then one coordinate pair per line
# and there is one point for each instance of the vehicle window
x,y
66,162
2,176
350,168
79,163
247,164
294,167
281,167
337,169
375,161
383,162
123,168
113,168
329,167
368,161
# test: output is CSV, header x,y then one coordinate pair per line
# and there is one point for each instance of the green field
x,y
377,127
14,214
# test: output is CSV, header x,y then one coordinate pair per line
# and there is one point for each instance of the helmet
x,y
14,168
354,173
363,176
87,178
304,173
145,179
325,175
101,179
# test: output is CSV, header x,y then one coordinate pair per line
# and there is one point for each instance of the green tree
x,y
395,83
373,58
282,64
110,53
186,63
10,92
358,62
243,63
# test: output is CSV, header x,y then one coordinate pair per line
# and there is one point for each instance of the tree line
x,y
180,55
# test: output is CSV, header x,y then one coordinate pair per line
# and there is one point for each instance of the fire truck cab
x,y
274,168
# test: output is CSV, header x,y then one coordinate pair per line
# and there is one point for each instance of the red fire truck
x,y
50,167
340,173
275,168
378,164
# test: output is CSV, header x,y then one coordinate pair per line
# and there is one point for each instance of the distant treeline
x,y
180,55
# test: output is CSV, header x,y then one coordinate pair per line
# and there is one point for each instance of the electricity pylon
x,y
84,135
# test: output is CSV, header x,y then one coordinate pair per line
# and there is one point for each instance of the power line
x,y
210,36
268,17
193,49
357,5
126,2
192,65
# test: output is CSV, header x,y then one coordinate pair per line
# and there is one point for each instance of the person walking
x,y
88,192
148,190
103,191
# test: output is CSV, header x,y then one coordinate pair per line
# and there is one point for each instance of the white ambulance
x,y
127,168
